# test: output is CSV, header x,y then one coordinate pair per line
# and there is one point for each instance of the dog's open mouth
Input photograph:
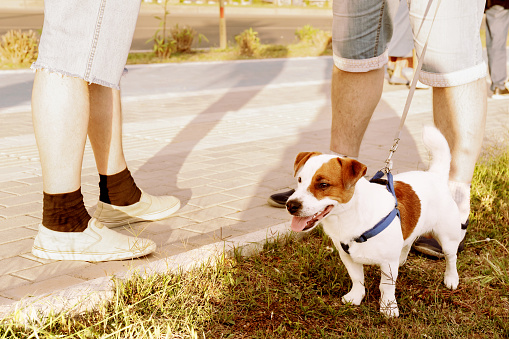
x,y
300,224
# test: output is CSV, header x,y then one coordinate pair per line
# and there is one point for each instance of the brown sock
x,y
119,189
64,212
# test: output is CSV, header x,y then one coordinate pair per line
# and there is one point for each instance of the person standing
x,y
401,49
453,66
497,26
401,46
76,93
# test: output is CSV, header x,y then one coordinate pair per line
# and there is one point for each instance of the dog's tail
x,y
440,152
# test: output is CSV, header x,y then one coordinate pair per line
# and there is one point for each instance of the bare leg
x,y
105,129
60,113
460,114
121,202
354,99
397,76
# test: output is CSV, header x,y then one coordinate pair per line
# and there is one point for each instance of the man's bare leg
x,y
121,202
105,129
117,186
354,99
460,114
60,114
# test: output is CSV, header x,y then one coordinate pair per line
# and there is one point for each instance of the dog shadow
x,y
176,169
170,170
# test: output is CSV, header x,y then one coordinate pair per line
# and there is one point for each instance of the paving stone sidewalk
x,y
222,152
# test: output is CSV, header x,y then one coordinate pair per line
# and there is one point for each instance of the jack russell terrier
x,y
333,191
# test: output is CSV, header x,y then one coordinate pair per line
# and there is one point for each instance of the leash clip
x,y
388,162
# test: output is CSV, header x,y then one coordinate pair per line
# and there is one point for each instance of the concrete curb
x,y
91,294
28,107
236,10
156,9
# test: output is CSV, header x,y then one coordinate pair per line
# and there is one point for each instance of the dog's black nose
x,y
293,206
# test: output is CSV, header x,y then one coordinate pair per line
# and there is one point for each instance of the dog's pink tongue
x,y
298,223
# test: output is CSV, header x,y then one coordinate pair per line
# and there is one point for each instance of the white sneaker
x,y
149,208
394,80
420,85
95,243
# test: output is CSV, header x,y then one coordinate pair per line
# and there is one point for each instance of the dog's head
x,y
324,182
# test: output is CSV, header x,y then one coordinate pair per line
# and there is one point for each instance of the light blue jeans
x,y
497,26
362,30
87,39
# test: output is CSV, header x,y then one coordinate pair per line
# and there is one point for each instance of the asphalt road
x,y
272,28
182,78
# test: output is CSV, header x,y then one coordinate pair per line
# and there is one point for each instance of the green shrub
x,y
183,37
273,51
17,47
306,33
314,36
248,42
163,46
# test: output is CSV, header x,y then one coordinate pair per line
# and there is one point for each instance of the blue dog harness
x,y
386,221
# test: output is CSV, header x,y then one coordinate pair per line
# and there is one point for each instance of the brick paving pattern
x,y
221,151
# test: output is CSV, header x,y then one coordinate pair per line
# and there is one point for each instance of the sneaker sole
x,y
95,257
427,251
275,203
160,215
500,96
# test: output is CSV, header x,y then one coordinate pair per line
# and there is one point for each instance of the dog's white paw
x,y
353,297
451,281
389,308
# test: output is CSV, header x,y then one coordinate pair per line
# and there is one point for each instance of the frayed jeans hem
x,y
37,66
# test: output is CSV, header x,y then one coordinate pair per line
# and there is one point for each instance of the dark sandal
x,y
432,248
279,199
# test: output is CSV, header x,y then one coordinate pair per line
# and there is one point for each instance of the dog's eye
x,y
299,180
323,185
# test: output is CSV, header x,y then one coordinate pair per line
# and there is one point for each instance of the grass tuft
x,y
293,289
18,49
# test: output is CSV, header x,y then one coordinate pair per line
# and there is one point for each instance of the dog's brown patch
x,y
409,206
336,179
301,159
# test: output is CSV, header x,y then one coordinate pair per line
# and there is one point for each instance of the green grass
x,y
265,51
293,289
315,43
298,49
232,53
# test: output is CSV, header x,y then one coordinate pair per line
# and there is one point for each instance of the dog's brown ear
x,y
301,159
351,171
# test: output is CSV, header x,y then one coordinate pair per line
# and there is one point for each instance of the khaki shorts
x,y
362,30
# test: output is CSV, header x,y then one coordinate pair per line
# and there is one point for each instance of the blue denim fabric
x,y
363,28
88,39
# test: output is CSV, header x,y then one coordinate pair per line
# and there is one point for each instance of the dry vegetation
x,y
293,289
